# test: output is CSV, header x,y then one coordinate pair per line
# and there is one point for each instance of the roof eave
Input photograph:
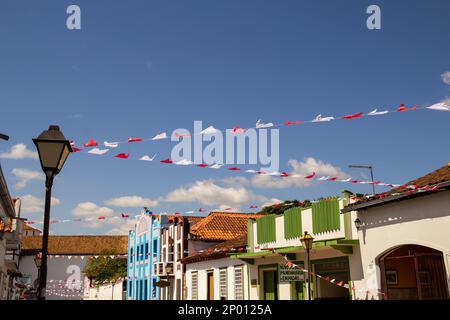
x,y
391,198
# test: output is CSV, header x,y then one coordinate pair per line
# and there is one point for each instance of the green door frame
x,y
347,272
268,267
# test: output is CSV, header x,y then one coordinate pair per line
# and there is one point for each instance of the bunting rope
x,y
441,106
412,189
341,284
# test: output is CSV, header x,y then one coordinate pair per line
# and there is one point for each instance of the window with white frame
x,y
223,288
238,283
194,285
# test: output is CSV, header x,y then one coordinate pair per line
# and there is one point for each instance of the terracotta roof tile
x,y
77,245
218,251
221,226
433,178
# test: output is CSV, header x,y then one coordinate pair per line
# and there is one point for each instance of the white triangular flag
x,y
442,106
147,158
111,144
323,178
98,151
216,166
209,130
183,162
320,119
260,125
160,136
251,171
375,112
189,212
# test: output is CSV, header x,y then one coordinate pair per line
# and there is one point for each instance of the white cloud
x,y
304,168
121,227
235,181
25,176
19,151
208,193
90,210
32,204
446,77
131,202
271,202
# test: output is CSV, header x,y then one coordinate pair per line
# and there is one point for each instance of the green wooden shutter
x,y
326,215
266,229
250,233
293,223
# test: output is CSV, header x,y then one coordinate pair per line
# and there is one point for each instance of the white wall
x,y
202,269
105,292
422,221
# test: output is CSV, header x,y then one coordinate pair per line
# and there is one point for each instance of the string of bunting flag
x,y
411,189
328,279
94,145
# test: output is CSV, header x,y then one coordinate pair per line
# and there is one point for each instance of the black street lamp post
x,y
53,150
307,243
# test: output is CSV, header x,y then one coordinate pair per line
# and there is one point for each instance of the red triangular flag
x,y
332,179
353,116
101,218
284,174
202,165
91,143
166,161
122,155
123,215
234,169
290,123
403,108
75,149
132,139
310,176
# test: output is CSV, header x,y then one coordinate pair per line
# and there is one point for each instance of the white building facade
x,y
405,241
335,255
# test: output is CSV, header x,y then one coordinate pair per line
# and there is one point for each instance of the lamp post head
x,y
53,150
307,241
358,223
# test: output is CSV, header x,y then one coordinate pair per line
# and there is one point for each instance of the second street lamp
x,y
53,150
307,243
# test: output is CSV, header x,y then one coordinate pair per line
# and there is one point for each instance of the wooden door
x,y
210,286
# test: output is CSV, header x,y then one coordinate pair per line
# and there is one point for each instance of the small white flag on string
x,y
111,144
375,112
147,158
442,106
183,162
260,125
216,166
98,151
160,136
320,119
209,130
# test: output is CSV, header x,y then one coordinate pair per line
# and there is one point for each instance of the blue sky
x,y
138,68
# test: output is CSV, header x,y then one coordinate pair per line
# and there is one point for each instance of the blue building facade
x,y
143,250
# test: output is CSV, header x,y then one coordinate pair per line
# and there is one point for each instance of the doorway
x,y
270,285
210,285
413,272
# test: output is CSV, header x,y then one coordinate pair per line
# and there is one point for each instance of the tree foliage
x,y
281,207
106,268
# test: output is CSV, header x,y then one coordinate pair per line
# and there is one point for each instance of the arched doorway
x,y
413,272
